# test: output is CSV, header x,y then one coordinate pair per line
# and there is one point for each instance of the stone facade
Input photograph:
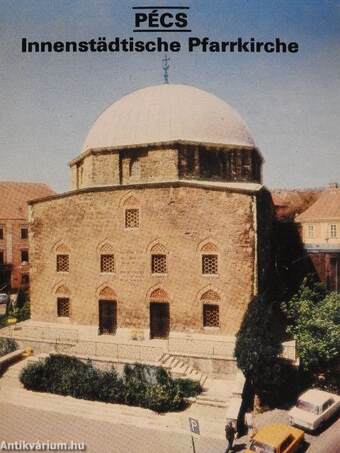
x,y
182,220
166,162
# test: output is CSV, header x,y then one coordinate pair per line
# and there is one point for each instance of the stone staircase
x,y
222,392
180,369
217,393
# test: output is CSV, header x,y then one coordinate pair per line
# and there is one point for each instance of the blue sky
x,y
291,102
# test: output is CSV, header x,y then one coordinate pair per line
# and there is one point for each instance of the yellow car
x,y
277,438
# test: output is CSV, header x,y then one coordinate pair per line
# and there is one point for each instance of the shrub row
x,y
140,385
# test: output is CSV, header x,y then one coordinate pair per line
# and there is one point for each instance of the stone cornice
x,y
247,188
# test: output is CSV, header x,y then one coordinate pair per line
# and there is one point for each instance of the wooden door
x,y
159,320
107,317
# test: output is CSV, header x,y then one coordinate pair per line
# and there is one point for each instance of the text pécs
x,y
159,19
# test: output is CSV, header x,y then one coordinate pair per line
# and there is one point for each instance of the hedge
x,y
140,385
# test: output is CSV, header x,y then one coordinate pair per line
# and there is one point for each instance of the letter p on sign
x,y
194,426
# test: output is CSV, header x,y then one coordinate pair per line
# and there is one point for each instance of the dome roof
x,y
165,113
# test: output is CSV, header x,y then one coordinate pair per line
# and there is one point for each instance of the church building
x,y
165,230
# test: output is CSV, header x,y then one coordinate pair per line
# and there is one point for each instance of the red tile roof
x,y
327,207
289,203
277,201
14,197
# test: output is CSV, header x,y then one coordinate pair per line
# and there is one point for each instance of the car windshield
x,y
308,407
260,447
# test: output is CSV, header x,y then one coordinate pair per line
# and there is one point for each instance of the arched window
x,y
209,257
131,213
62,258
159,263
211,310
107,261
63,307
63,301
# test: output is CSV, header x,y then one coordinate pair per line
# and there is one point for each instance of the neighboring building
x,y
166,228
14,247
321,236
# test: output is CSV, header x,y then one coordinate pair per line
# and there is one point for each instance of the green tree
x,y
314,322
258,345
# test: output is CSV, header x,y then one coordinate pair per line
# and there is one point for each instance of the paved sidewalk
x,y
211,419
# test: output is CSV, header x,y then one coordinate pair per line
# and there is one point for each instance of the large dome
x,y
165,113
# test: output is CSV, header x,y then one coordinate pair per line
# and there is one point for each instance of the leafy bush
x,y
328,381
32,376
23,313
153,388
163,398
136,381
110,387
140,385
7,345
188,387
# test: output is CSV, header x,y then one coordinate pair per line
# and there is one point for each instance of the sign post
x,y
194,429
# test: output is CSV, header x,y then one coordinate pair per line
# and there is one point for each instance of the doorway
x,y
159,320
107,317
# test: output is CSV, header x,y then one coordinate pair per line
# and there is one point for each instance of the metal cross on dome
x,y
166,67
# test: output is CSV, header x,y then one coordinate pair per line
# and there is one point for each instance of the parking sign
x,y
194,426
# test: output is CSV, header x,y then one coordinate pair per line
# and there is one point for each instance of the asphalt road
x,y
327,441
18,423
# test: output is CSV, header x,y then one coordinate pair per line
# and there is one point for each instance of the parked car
x,y
313,409
278,438
4,298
